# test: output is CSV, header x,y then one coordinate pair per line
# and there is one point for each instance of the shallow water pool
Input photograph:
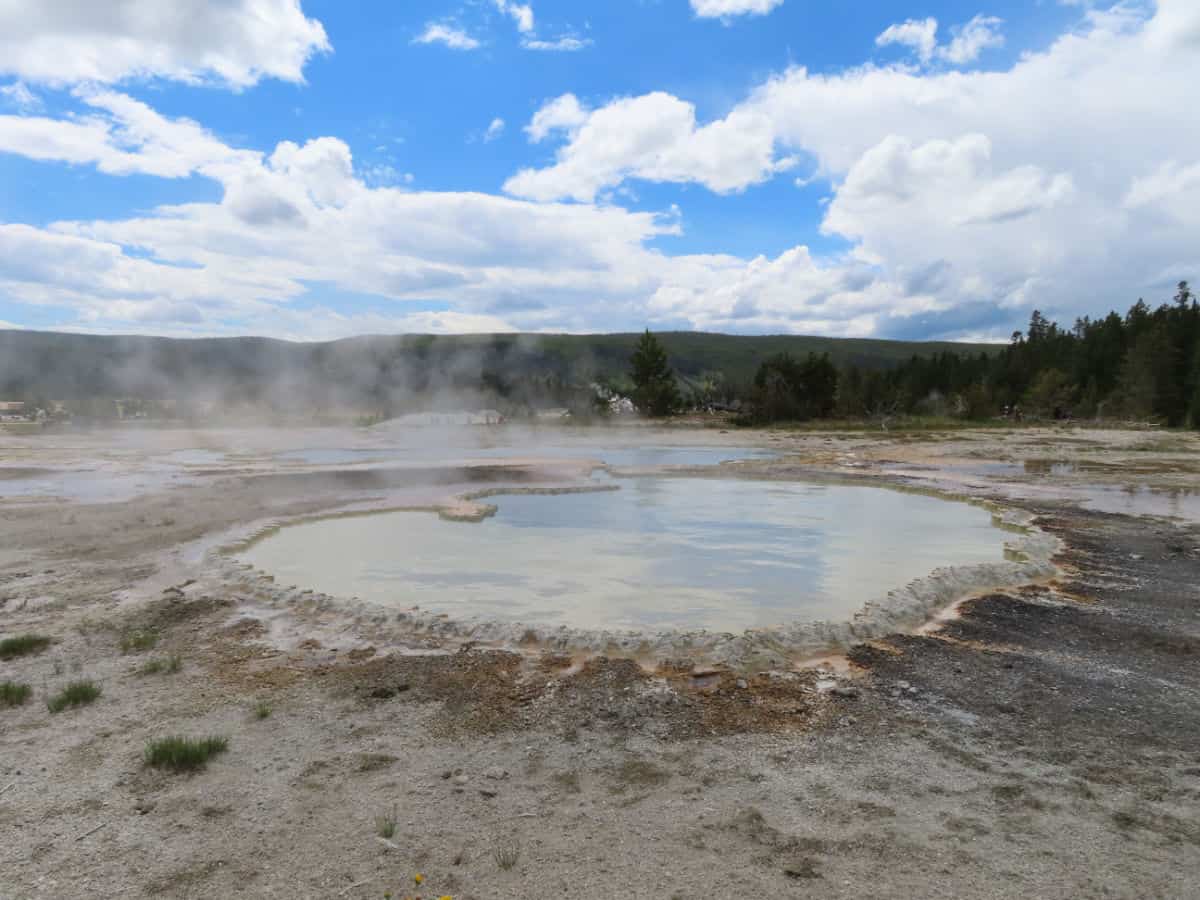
x,y
659,553
619,456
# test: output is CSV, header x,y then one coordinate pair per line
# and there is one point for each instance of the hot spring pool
x,y
659,553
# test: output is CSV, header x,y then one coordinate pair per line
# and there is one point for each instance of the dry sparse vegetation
x,y
163,665
507,855
138,641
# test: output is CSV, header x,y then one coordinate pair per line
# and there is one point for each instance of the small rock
x,y
495,773
742,685
461,780
487,795
848,693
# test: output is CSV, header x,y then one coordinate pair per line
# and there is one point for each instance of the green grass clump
x,y
385,825
183,754
14,694
77,693
169,665
23,645
262,710
138,641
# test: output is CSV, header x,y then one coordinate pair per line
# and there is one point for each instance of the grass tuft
x,y
14,694
77,693
183,754
507,855
385,825
168,665
262,710
23,645
138,641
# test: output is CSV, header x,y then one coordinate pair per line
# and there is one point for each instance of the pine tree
x,y
655,390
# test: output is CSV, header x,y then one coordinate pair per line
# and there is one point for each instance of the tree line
x,y
1143,366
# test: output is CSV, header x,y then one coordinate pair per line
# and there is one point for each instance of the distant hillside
x,y
391,371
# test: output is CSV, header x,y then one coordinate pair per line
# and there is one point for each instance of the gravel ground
x,y
1040,743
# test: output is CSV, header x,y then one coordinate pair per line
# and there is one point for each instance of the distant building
x,y
12,411
463,417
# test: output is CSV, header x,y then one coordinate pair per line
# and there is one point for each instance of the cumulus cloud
x,y
563,113
722,9
654,137
963,198
236,42
441,33
987,188
1169,185
300,215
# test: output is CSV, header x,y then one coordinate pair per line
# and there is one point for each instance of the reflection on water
x,y
1139,500
724,555
1104,486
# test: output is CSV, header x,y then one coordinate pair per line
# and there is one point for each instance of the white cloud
x,y
521,13
299,216
967,43
522,16
563,113
18,94
236,42
494,130
1176,24
1170,183
721,9
967,194
980,34
653,137
949,182
124,137
964,197
454,38
561,45
920,35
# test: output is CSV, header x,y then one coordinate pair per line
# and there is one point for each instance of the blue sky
x,y
927,170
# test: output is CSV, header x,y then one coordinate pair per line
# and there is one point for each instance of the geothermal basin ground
x,y
683,662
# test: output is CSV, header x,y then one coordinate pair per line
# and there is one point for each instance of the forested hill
x,y
391,370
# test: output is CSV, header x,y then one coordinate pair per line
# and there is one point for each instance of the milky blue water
x,y
717,554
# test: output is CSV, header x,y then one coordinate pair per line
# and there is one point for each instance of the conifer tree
x,y
655,390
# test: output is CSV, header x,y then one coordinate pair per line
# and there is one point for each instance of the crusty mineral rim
x,y
1030,554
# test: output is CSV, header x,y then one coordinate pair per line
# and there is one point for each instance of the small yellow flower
x,y
418,878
